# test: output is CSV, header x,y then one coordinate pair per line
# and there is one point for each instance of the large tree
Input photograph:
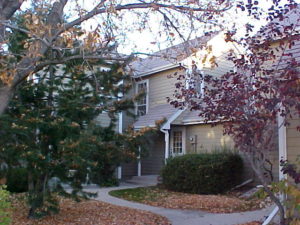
x,y
47,29
49,129
262,87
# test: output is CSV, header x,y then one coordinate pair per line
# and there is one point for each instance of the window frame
x,y
198,85
147,95
183,136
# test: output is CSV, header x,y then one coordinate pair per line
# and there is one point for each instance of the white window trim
x,y
183,130
147,94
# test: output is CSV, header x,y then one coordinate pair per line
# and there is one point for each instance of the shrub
x,y
208,173
17,180
5,213
104,176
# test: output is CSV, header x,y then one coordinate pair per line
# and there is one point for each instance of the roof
x,y
157,113
169,58
188,117
167,112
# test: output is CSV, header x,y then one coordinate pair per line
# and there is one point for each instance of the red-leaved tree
x,y
264,84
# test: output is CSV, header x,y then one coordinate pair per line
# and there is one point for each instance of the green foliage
x,y
208,173
140,194
17,180
5,206
291,200
50,129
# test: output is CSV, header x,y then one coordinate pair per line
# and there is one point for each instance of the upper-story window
x,y
142,103
195,81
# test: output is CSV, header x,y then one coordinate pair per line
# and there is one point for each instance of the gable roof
x,y
188,117
169,58
157,113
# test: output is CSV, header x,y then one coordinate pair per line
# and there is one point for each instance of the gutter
x,y
157,70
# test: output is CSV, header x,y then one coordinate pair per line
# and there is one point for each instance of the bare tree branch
x,y
5,24
7,10
153,5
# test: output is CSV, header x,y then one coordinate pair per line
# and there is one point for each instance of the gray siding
x,y
154,161
129,169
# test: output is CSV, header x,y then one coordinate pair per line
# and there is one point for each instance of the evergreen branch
x,y
81,56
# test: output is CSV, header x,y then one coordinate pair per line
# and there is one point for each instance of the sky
x,y
146,41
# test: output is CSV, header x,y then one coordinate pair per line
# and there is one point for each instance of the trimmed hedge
x,y
207,173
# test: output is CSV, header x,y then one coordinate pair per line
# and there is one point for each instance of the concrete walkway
x,y
181,217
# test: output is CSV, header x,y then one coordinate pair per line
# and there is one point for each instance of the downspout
x,y
120,130
167,137
139,172
282,148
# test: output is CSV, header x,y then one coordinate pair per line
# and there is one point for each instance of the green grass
x,y
141,194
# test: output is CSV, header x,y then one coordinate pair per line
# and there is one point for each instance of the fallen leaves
x,y
155,196
89,212
251,223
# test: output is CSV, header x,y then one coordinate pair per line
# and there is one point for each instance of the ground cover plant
x,y
158,196
5,207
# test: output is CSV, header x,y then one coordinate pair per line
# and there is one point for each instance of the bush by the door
x,y
207,173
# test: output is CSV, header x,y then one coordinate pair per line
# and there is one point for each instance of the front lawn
x,y
160,197
86,212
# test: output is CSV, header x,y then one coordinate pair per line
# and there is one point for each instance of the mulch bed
x,y
89,212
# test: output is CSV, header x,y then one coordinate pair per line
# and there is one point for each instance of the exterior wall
x,y
160,87
153,160
127,118
293,139
103,120
208,138
273,156
129,169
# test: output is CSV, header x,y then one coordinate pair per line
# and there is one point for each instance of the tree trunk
x,y
37,189
273,197
6,94
31,191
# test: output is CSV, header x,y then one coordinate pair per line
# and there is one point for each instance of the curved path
x,y
181,217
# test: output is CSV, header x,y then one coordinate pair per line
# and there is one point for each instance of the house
x,y
183,131
279,34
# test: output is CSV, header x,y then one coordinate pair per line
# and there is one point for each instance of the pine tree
x,y
49,129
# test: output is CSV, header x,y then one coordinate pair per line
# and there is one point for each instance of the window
x,y
141,104
177,145
195,81
177,142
